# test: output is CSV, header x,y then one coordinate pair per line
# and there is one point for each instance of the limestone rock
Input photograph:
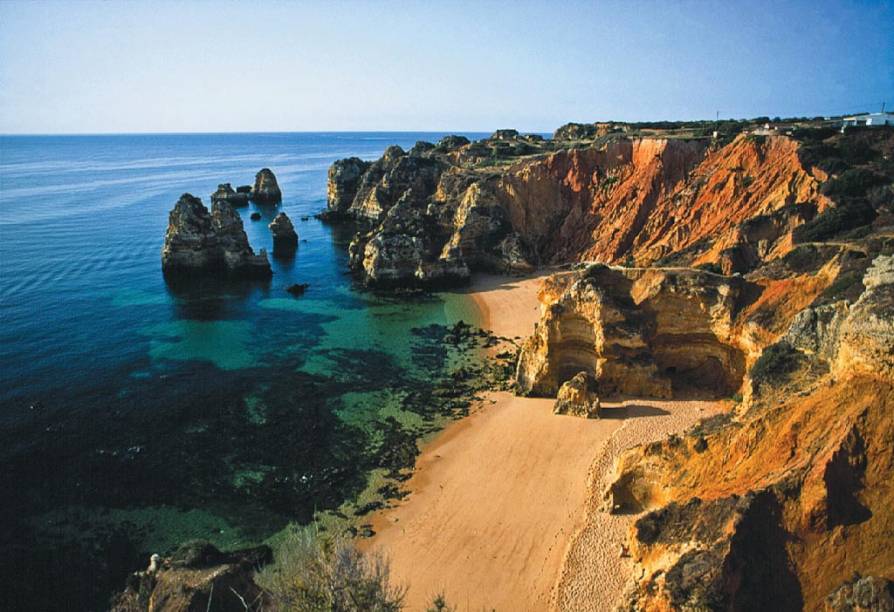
x,y
862,594
200,243
226,194
449,143
640,332
343,181
266,190
197,577
577,398
285,238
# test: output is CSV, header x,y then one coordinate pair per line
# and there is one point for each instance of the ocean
x,y
135,415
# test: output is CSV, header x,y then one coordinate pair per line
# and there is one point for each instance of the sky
x,y
217,66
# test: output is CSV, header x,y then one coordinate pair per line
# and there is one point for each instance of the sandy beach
x,y
501,512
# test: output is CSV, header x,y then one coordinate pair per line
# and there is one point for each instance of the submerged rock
x,y
201,243
297,289
197,577
266,190
577,398
255,216
285,238
226,194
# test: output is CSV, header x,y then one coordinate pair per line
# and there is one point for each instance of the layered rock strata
x,y
511,201
641,332
203,243
776,505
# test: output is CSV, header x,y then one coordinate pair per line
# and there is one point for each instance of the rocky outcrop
x,y
266,190
577,397
788,495
199,243
226,194
344,179
197,577
862,594
285,238
642,332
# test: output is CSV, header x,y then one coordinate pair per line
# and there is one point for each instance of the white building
x,y
871,119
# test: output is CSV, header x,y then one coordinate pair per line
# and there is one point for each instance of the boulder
x,y
577,398
449,143
199,243
297,289
266,190
244,189
255,216
195,578
226,194
285,238
505,135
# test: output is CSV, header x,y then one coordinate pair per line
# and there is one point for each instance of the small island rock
x,y
266,189
200,243
285,238
226,194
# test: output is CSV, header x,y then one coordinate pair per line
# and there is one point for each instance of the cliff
x,y
509,202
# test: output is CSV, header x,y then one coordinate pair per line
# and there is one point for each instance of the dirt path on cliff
x,y
499,500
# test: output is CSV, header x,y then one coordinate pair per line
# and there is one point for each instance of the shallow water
x,y
134,414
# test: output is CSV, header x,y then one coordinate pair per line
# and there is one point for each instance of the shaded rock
x,y
201,243
578,398
266,190
449,143
197,577
244,189
256,216
343,181
226,194
285,238
297,289
505,135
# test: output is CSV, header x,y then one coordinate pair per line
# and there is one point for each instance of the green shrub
x,y
834,221
439,604
776,363
313,574
854,182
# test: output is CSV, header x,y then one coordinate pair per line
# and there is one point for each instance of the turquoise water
x,y
134,414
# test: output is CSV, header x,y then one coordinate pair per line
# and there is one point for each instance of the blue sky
x,y
134,66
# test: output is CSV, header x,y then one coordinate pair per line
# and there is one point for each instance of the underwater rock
x,y
201,243
297,289
266,190
255,216
285,238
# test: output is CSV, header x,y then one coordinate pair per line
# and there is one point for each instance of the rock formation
x,y
226,194
285,238
344,178
195,578
787,497
266,190
643,332
577,398
199,243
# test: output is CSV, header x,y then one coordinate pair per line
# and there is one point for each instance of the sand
x,y
500,514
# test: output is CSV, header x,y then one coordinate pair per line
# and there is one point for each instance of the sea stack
x,y
225,193
266,189
199,243
285,238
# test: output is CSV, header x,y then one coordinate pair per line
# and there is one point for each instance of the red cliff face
x,y
649,198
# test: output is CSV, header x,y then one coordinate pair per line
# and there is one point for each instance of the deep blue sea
x,y
135,415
